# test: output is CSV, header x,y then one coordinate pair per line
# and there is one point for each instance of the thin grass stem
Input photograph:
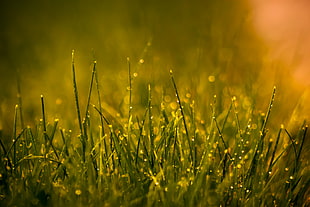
x,y
14,136
274,152
90,89
263,129
183,117
76,95
129,89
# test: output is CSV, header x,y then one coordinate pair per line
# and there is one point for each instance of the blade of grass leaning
x,y
226,117
280,155
234,107
259,143
141,138
90,90
14,139
129,89
76,95
100,110
47,140
194,136
222,138
52,137
294,148
263,129
183,117
304,129
151,128
43,116
99,99
77,105
274,153
65,147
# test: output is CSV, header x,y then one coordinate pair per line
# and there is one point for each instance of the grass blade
x,y
76,95
183,118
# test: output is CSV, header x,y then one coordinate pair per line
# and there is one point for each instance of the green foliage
x,y
166,156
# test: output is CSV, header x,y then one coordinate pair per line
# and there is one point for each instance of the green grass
x,y
170,154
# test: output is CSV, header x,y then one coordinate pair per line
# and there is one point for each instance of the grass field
x,y
168,155
177,105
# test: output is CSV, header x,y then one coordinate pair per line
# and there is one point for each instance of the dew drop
x,y
78,192
211,78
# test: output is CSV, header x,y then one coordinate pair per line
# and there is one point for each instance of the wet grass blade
x,y
294,148
259,145
304,129
76,95
129,89
90,89
14,139
183,117
263,129
151,128
274,153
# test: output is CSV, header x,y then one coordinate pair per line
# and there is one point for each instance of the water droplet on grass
x,y
211,78
78,192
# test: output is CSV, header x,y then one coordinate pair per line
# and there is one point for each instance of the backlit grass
x,y
169,153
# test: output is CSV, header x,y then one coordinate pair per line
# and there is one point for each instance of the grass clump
x,y
166,156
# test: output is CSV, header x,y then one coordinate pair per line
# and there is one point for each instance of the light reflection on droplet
x,y
78,192
211,78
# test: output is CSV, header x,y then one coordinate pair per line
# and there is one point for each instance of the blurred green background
x,y
197,39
